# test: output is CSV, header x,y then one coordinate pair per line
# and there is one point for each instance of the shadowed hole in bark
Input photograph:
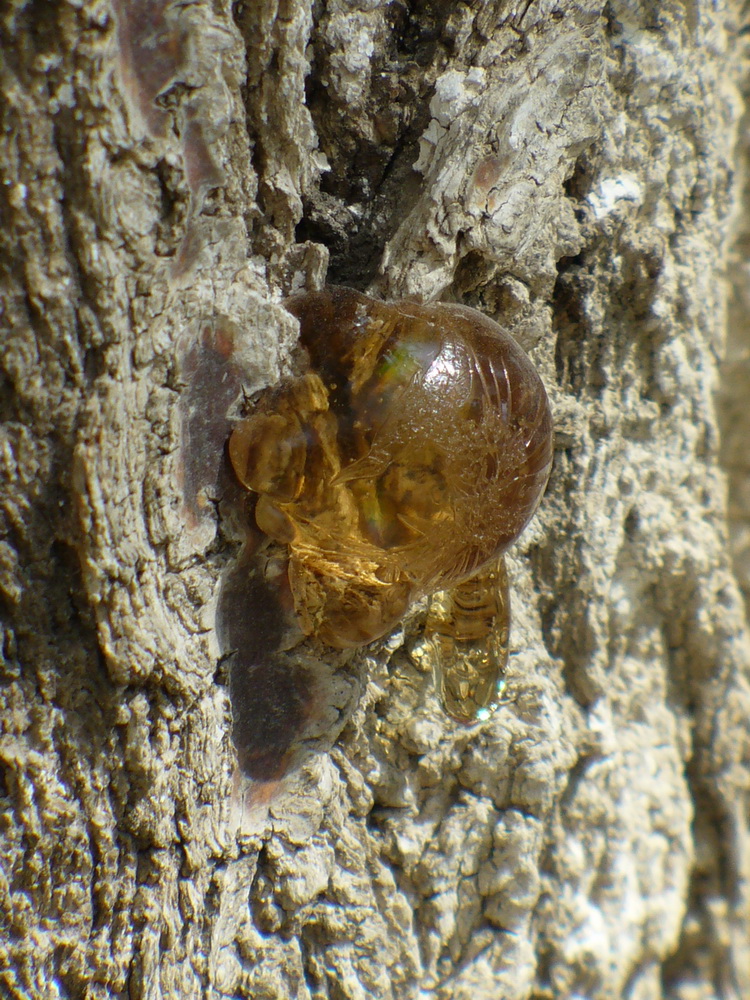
x,y
570,359
371,146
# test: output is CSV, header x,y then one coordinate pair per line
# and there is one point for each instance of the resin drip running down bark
x,y
403,463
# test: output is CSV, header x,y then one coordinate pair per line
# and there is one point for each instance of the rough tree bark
x,y
572,170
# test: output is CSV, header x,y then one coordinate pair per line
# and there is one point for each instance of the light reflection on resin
x,y
405,460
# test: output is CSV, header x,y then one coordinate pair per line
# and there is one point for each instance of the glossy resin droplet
x,y
469,629
412,453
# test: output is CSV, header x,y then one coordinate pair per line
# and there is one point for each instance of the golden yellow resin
x,y
405,461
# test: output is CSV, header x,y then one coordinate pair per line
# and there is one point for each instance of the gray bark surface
x,y
574,170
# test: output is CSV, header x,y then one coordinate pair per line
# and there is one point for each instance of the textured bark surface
x,y
169,172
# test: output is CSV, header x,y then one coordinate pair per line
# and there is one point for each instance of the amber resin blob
x,y
404,462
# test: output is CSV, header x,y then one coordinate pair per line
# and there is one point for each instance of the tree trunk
x,y
170,172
